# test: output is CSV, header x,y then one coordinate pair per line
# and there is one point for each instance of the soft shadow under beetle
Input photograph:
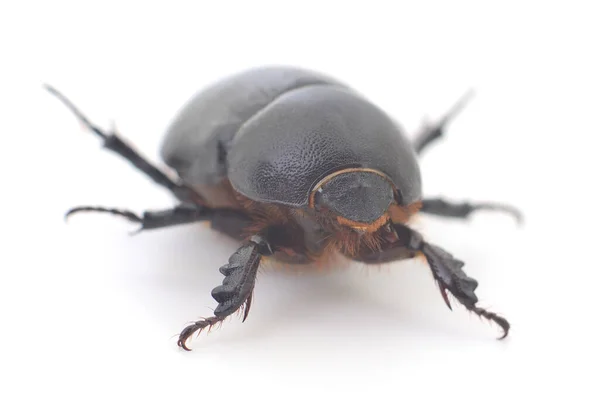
x,y
297,166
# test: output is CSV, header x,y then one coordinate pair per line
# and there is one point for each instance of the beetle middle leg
x,y
443,208
235,292
463,210
113,143
447,271
228,221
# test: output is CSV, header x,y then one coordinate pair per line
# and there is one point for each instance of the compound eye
x,y
398,197
318,199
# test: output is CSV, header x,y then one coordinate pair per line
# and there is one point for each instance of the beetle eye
x,y
398,197
318,199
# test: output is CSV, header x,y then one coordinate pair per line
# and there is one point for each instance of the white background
x,y
90,312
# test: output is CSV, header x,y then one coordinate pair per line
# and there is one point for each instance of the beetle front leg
x,y
450,277
447,270
113,143
236,291
443,208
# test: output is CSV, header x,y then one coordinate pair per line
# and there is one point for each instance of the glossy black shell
x,y
274,132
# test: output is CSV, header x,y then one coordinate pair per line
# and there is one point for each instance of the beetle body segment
x,y
197,141
275,132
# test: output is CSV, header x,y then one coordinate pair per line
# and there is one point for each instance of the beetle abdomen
x,y
197,142
280,153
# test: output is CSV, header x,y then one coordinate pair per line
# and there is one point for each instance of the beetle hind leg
x,y
235,293
432,132
115,144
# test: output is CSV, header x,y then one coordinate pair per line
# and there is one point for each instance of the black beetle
x,y
297,166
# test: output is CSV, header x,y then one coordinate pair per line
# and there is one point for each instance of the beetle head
x,y
359,198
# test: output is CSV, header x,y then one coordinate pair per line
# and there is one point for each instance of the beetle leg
x,y
450,277
224,220
447,271
430,133
443,208
113,143
235,292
